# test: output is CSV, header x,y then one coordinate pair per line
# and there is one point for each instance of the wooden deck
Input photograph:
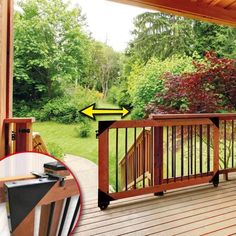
x,y
199,210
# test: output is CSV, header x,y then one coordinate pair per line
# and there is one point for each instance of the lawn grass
x,y
64,135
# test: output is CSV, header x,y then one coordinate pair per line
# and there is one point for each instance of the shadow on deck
x,y
199,210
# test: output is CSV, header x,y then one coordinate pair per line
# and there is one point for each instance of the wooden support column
x,y
6,65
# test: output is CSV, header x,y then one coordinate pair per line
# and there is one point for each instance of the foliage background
x,y
60,69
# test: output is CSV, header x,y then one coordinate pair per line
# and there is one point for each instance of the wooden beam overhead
x,y
211,11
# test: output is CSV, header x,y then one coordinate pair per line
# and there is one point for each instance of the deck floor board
x,y
162,206
201,210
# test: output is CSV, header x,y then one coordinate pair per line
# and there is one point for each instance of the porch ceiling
x,y
214,11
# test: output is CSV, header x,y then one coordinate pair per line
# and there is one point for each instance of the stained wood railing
x,y
164,152
142,142
38,144
18,135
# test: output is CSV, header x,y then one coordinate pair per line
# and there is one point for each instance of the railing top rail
x,y
19,120
192,115
70,188
153,123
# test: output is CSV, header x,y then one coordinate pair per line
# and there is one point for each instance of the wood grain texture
x,y
11,179
195,211
56,193
161,188
56,217
24,140
193,115
174,121
199,10
26,227
3,71
19,120
44,219
38,144
103,162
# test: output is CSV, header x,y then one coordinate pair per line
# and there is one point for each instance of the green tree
x,y
160,35
105,68
212,37
51,49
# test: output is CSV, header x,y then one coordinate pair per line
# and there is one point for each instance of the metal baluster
x,y
182,152
117,153
167,153
208,149
144,167
191,150
52,208
174,152
74,216
225,165
126,159
135,157
200,148
151,155
188,154
232,143
195,151
64,216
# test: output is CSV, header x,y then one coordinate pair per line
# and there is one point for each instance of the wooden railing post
x,y
158,157
19,135
103,165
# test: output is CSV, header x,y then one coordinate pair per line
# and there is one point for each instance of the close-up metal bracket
x,y
47,190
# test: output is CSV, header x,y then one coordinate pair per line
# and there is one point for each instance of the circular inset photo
x,y
39,195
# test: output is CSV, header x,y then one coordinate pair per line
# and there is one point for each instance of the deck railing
x,y
18,135
136,151
162,153
38,144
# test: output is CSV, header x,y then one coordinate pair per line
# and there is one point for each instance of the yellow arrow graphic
x,y
91,111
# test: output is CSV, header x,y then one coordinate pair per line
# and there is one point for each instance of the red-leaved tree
x,y
212,87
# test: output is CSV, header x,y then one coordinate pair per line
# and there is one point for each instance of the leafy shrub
x,y
66,109
112,95
119,95
20,109
83,130
61,110
55,150
146,81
